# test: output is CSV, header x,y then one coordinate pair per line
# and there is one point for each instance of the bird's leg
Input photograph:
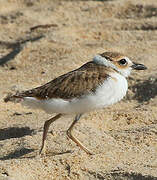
x,y
69,134
46,128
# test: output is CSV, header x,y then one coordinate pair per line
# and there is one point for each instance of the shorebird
x,y
96,84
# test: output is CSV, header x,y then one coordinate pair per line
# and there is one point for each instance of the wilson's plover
x,y
97,84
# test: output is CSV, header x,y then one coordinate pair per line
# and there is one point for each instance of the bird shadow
x,y
16,48
146,90
15,132
58,153
17,154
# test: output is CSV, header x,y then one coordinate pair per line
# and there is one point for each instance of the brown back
x,y
72,84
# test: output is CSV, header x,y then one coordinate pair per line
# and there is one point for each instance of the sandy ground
x,y
123,137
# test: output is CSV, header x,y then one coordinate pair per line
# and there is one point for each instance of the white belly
x,y
110,92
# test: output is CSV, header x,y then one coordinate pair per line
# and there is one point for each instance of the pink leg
x,y
69,134
46,128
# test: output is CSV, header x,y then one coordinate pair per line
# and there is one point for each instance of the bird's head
x,y
118,62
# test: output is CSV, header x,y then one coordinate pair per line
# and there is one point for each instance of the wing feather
x,y
73,84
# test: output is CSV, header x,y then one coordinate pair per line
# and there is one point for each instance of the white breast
x,y
111,91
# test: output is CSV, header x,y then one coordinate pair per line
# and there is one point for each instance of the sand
x,y
122,137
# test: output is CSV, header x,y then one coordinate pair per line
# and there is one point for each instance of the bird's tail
x,y
14,98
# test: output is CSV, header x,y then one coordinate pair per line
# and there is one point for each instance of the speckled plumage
x,y
96,84
73,84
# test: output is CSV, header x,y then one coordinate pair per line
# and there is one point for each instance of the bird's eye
x,y
123,62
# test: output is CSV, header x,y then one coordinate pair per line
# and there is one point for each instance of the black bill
x,y
138,66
